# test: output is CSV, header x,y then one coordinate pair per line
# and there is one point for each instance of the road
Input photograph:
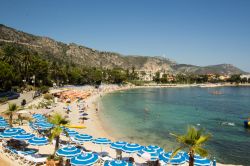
x,y
28,96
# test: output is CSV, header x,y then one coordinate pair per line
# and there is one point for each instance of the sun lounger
x,y
35,159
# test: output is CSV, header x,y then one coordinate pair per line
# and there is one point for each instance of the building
x,y
247,76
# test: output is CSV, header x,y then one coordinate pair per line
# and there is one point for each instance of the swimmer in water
x,y
146,110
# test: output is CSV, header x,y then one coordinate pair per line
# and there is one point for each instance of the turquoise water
x,y
147,116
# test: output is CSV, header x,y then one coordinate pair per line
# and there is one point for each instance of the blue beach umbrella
x,y
84,159
148,154
38,141
4,125
117,163
176,160
37,116
132,148
118,145
41,120
24,136
72,133
10,133
185,155
2,120
199,161
42,125
157,148
19,129
83,137
68,151
103,141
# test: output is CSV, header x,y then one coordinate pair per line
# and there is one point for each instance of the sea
x,y
148,116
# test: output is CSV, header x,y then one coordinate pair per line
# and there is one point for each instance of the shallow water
x,y
147,116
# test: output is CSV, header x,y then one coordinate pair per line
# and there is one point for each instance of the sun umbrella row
x,y
150,153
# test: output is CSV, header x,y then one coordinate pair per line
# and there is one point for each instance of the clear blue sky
x,y
199,32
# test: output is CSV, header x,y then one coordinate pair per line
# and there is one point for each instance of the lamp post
x,y
33,78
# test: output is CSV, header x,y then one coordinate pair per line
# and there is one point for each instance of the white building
x,y
245,76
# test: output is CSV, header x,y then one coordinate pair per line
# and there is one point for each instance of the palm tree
x,y
12,108
58,121
194,141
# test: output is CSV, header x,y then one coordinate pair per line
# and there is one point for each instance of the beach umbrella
x,y
4,125
2,120
84,114
118,145
117,163
101,141
38,141
41,120
19,129
148,154
199,161
176,160
83,137
24,136
131,148
72,133
84,159
68,151
37,115
42,125
157,148
10,132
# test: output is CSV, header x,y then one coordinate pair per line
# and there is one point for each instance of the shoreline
x,y
94,125
98,124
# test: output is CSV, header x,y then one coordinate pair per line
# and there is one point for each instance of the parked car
x,y
9,95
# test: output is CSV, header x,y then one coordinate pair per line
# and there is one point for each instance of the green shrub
x,y
16,89
3,100
48,96
44,89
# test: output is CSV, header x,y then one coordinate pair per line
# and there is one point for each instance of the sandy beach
x,y
93,125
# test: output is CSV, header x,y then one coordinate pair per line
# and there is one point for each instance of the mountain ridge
x,y
85,56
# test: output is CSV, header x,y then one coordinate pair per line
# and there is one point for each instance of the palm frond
x,y
176,151
203,138
201,151
193,139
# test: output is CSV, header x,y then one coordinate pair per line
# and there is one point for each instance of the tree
x,y
6,76
26,60
244,80
95,76
235,78
156,78
9,55
117,76
58,121
194,141
12,108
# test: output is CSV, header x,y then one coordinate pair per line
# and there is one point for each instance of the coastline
x,y
94,125
98,123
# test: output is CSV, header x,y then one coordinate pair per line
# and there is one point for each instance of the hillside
x,y
83,56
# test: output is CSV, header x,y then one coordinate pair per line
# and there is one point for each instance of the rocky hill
x,y
80,55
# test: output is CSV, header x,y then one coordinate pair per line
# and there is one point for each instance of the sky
x,y
198,32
